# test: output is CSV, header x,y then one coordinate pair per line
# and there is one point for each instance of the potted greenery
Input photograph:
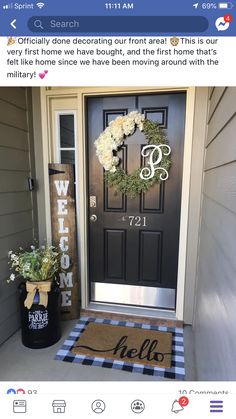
x,y
39,294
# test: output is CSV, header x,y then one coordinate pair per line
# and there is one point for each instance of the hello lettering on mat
x,y
66,278
145,352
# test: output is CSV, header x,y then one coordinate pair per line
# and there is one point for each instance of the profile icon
x,y
98,406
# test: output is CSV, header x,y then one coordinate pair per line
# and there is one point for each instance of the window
x,y
66,126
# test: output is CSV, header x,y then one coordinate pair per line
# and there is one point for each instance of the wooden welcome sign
x,y
62,198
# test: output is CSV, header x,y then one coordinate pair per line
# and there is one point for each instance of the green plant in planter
x,y
38,266
35,265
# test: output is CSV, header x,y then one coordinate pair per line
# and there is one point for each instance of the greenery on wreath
x,y
112,139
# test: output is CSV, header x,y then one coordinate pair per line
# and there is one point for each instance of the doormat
x,y
126,344
176,370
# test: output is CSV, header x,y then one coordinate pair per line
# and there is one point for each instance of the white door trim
x,y
188,140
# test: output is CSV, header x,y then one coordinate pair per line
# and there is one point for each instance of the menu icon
x,y
216,406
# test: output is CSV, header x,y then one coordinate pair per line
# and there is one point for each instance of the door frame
x,y
193,132
178,314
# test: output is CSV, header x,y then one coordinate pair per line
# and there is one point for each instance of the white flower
x,y
12,277
45,260
32,247
115,161
141,126
113,137
14,257
10,253
129,127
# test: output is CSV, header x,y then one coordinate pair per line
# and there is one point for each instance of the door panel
x,y
115,245
134,241
150,256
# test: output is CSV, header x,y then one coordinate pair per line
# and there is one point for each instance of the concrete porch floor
x,y
18,363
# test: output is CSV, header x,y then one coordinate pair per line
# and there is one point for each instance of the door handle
x,y
93,218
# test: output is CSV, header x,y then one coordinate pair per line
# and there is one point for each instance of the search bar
x,y
91,25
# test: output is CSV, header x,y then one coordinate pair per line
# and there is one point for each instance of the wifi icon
x,y
40,5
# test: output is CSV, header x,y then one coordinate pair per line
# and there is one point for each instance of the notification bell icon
x,y
176,408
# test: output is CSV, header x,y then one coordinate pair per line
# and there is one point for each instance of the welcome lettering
x,y
66,278
63,223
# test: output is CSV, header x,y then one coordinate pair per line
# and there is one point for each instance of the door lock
x,y
93,201
93,218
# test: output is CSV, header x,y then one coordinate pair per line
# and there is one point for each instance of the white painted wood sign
x,y
62,199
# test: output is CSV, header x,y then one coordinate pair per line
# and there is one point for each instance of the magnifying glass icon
x,y
38,24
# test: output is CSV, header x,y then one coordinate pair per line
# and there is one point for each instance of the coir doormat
x,y
126,344
84,356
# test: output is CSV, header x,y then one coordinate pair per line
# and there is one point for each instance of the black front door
x,y
134,242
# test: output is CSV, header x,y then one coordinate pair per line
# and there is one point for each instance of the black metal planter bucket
x,y
40,326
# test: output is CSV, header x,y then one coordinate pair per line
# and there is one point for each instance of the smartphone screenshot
x,y
117,209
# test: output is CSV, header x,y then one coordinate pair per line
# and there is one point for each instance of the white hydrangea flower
x,y
113,137
115,160
129,127
141,126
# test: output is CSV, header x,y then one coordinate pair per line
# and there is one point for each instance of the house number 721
x,y
137,221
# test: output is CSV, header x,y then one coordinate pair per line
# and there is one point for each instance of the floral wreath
x,y
157,149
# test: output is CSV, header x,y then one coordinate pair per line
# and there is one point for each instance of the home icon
x,y
59,406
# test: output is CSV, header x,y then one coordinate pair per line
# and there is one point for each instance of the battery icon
x,y
225,6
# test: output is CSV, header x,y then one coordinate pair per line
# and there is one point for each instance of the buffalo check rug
x,y
176,371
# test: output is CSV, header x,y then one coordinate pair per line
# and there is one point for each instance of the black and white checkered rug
x,y
176,371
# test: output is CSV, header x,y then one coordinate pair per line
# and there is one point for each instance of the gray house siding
x,y
17,218
215,331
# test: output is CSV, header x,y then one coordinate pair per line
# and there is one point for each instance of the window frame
x,y
58,138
